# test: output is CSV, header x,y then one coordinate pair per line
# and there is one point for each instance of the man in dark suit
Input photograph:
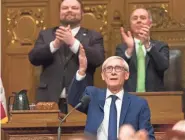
x,y
111,107
148,59
56,50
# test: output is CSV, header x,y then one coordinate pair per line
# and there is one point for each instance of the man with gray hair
x,y
111,107
148,59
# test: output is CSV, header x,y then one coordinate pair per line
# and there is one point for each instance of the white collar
x,y
119,94
75,30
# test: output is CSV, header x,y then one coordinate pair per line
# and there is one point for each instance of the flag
x,y
4,117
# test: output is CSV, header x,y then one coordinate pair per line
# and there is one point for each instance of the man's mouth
x,y
139,26
70,14
113,78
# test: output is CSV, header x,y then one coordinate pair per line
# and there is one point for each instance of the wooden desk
x,y
41,131
166,107
166,110
48,131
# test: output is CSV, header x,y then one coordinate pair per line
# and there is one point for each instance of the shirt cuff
x,y
128,56
79,77
149,48
74,48
52,48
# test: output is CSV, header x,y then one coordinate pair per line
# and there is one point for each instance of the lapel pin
x,y
84,34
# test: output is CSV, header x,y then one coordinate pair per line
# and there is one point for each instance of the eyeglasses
x,y
109,69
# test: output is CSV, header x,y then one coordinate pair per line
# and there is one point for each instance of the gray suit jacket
x,y
60,67
157,61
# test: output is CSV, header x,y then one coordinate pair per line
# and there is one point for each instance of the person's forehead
x,y
114,62
139,12
70,2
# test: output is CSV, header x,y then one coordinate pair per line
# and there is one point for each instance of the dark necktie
x,y
112,130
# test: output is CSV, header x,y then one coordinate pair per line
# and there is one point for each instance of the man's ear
x,y
102,76
150,23
82,13
127,75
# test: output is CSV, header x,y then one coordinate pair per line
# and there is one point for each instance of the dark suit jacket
x,y
157,61
134,111
60,67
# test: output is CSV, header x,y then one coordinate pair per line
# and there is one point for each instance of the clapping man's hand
x,y
82,61
128,39
65,34
144,35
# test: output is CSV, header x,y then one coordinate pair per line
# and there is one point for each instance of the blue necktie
x,y
112,131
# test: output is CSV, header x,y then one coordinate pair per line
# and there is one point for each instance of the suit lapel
x,y
124,108
61,49
147,58
53,33
102,98
81,34
134,58
146,61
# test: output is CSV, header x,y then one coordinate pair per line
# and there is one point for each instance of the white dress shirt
x,y
102,132
74,48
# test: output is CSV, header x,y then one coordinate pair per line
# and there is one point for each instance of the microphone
x,y
84,102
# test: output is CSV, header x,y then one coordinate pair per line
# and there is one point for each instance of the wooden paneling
x,y
23,19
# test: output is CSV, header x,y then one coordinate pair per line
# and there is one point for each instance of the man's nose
x,y
69,9
139,20
113,71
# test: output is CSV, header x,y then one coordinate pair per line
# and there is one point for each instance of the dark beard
x,y
72,23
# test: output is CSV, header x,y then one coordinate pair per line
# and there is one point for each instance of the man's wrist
x,y
149,48
72,42
81,72
129,52
56,44
79,77
52,48
147,45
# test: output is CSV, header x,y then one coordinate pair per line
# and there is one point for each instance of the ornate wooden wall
x,y
23,19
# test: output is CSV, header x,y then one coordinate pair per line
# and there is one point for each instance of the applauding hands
x,y
63,35
82,61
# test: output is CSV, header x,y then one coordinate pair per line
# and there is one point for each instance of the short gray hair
x,y
125,65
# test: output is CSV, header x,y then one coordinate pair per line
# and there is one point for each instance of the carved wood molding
x,y
162,20
23,24
101,13
32,137
115,36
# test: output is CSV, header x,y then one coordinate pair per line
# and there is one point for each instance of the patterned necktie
x,y
112,130
140,69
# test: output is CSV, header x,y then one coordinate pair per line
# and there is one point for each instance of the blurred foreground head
x,y
177,132
127,132
87,136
